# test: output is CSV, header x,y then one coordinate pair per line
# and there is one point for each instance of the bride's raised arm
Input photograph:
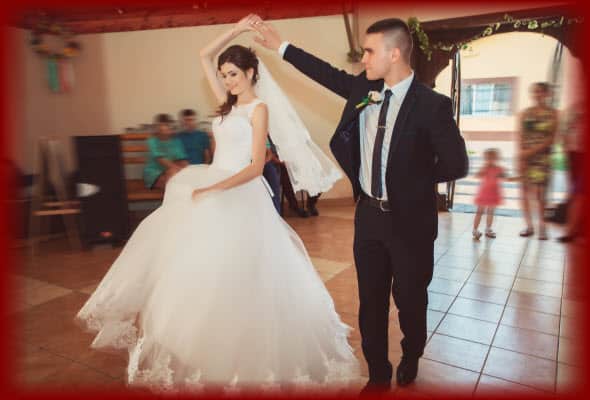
x,y
209,52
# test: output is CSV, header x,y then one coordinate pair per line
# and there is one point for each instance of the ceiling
x,y
144,15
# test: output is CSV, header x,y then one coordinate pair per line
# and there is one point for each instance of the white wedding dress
x,y
219,290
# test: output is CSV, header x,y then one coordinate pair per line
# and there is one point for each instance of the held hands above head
x,y
245,24
253,22
270,37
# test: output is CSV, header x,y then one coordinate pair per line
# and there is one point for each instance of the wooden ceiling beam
x,y
474,21
103,20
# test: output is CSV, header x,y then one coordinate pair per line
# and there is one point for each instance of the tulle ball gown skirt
x,y
220,291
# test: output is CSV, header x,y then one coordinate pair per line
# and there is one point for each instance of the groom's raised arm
x,y
337,80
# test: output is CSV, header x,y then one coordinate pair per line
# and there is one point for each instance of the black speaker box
x,y
104,215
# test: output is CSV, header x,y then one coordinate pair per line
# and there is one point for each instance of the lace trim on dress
x,y
160,377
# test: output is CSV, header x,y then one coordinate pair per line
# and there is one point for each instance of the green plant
x,y
530,24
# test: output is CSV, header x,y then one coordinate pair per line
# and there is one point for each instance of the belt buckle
x,y
381,206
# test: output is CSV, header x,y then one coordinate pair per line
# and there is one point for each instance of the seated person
x,y
271,173
197,144
166,154
292,199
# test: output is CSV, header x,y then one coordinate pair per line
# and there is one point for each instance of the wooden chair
x,y
50,172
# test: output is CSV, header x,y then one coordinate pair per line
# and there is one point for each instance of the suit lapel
x,y
354,112
400,121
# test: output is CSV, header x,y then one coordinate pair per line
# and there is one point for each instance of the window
x,y
481,97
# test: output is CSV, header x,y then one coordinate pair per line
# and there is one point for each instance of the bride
x,y
214,288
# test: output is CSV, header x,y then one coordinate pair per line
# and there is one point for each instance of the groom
x,y
396,140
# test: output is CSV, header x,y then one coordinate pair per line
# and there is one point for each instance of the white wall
x,y
40,112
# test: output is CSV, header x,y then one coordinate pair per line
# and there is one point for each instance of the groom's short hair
x,y
398,32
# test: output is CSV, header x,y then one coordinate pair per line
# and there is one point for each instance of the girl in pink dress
x,y
489,194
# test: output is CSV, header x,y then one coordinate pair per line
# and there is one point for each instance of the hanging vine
x,y
528,23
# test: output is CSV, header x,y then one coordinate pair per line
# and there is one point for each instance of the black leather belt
x,y
383,205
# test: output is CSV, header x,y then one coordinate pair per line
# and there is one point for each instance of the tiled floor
x,y
504,315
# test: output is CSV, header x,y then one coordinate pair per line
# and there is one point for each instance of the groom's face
x,y
378,57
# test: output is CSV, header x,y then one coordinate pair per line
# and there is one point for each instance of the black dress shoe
x,y
372,388
313,211
406,372
300,212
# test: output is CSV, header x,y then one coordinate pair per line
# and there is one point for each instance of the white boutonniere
x,y
373,97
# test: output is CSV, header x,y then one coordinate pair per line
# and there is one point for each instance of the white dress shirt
x,y
368,120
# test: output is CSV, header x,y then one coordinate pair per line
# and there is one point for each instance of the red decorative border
x,y
9,72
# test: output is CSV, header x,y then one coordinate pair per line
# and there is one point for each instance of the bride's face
x,y
234,79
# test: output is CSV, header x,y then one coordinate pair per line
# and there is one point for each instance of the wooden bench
x,y
136,191
132,147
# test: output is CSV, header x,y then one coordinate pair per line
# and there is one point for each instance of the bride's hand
x,y
245,24
269,36
197,193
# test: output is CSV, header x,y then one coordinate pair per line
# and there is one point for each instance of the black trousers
x,y
390,263
273,176
290,194
287,188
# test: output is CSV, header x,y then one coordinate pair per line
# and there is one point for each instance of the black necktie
x,y
376,188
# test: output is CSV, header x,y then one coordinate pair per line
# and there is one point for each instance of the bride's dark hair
x,y
242,57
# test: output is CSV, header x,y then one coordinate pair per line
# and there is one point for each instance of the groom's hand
x,y
269,37
246,23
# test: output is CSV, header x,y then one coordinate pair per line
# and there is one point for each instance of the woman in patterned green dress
x,y
537,127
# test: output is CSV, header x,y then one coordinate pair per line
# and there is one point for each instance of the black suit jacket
x,y
426,146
